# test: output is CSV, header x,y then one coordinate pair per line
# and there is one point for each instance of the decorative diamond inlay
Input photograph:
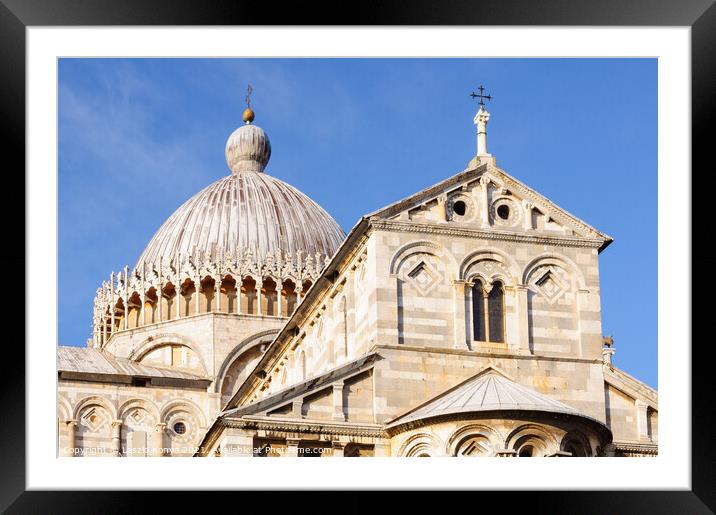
x,y
93,419
137,416
550,286
423,278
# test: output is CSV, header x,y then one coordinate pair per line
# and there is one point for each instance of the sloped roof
x,y
86,360
487,391
304,388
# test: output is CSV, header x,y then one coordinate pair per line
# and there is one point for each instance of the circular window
x,y
459,207
180,428
503,211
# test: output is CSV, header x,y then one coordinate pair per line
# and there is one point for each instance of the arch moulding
x,y
426,247
493,255
145,404
243,346
92,400
468,430
550,258
162,340
183,405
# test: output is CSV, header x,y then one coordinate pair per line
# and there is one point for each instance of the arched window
x,y
478,312
496,312
488,313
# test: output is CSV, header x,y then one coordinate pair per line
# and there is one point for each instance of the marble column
x,y
217,294
125,299
143,300
279,303
112,303
116,437
484,202
298,289
178,298
157,446
259,285
159,291
197,289
69,449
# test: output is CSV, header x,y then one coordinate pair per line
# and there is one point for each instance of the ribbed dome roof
x,y
248,210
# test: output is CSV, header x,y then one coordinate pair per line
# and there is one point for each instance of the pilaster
x,y
460,314
338,408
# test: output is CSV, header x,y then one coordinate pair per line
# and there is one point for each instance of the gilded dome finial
x,y
248,148
248,115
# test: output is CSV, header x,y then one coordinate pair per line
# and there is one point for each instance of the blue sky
x,y
138,137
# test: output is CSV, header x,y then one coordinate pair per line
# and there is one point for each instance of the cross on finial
x,y
249,90
481,95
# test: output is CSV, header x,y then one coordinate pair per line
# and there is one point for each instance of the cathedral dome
x,y
248,210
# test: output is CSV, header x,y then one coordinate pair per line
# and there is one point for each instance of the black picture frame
x,y
17,15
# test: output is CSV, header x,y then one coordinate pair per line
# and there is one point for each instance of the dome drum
x,y
237,283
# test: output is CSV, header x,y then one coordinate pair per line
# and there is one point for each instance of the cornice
x,y
301,426
464,232
481,354
646,448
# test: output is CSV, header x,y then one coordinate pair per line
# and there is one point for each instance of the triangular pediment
x,y
486,198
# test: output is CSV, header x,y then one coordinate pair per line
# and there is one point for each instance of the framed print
x,y
449,234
